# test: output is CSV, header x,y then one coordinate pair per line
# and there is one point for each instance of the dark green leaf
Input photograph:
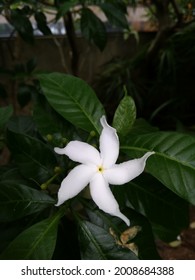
x,y
167,212
115,15
97,241
17,201
23,25
47,120
42,23
11,174
5,114
93,28
97,244
35,159
141,126
73,99
22,125
173,162
125,115
35,243
144,239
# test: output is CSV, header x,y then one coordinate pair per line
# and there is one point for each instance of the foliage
x,y
156,202
20,14
66,108
154,76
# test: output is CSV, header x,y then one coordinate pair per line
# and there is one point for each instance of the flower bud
x,y
49,137
92,133
44,186
57,169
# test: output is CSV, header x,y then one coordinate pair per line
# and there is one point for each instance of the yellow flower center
x,y
100,168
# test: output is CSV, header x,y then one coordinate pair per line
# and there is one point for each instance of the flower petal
x,y
103,197
109,144
80,152
75,181
124,172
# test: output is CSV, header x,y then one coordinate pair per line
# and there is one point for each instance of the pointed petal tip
x,y
60,151
148,154
124,218
103,121
57,204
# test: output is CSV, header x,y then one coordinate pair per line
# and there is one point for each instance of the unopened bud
x,y
49,137
57,169
43,186
92,133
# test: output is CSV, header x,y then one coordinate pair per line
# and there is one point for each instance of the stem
x,y
70,31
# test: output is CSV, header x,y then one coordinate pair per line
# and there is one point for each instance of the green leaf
x,y
167,212
96,240
144,239
73,99
125,115
97,244
47,120
35,243
5,114
11,174
23,25
17,201
115,15
173,163
93,28
141,126
22,125
34,158
42,23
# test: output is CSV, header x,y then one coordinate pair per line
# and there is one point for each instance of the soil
x,y
182,249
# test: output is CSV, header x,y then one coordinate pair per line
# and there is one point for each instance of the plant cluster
x,y
65,108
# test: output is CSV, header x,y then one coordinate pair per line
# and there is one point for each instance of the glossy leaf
x,y
173,163
93,28
17,200
47,120
125,115
35,243
73,99
96,240
167,212
34,158
141,126
97,244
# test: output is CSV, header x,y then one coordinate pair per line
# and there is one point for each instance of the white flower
x,y
99,169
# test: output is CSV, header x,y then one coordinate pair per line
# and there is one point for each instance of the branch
x,y
178,13
70,31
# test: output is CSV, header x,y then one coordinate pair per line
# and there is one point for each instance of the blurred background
x,y
148,46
